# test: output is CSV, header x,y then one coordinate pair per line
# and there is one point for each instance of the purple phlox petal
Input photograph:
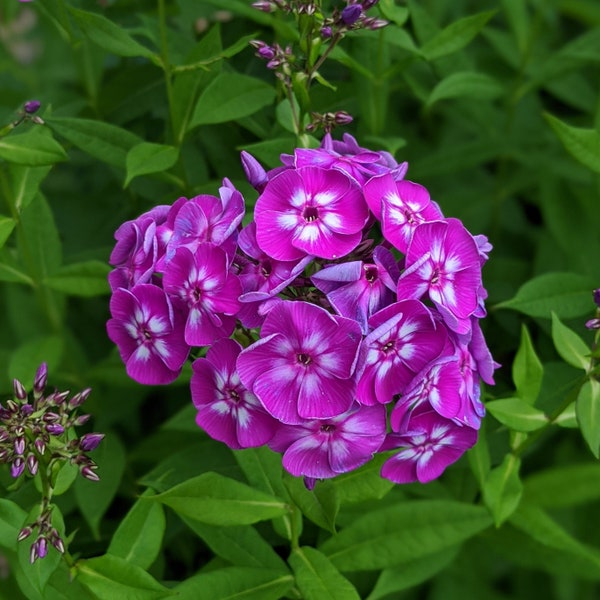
x,y
310,211
255,174
481,354
320,449
303,365
149,334
429,444
228,411
442,259
403,340
203,281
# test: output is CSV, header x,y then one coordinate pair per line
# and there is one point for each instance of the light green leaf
x,y
477,86
84,279
12,519
569,345
392,12
7,224
527,370
517,414
217,500
231,96
103,141
582,144
112,578
317,578
149,158
563,487
363,484
236,583
25,184
320,504
455,36
138,539
588,414
567,294
479,458
568,417
31,149
404,532
503,489
94,497
109,35
25,360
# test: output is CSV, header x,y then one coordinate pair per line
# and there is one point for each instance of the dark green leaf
x,y
31,149
149,158
527,370
12,519
569,345
477,86
317,578
231,96
582,144
6,228
25,184
217,500
85,279
404,532
588,414
109,35
27,358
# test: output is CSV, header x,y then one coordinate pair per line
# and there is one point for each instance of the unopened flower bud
x,y
24,534
343,118
374,24
593,324
32,464
596,294
26,410
4,435
82,420
40,446
369,4
17,467
51,417
42,544
55,429
33,553
12,407
19,390
352,13
264,6
89,474
90,441
32,106
326,32
39,382
79,398
256,175
56,541
19,445
4,454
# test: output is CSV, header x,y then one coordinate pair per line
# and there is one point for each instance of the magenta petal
x,y
400,468
432,464
309,457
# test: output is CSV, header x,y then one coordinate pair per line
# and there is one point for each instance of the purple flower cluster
x,y
343,320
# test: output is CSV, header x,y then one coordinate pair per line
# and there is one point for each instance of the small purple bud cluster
x,y
328,121
341,321
276,56
32,429
47,535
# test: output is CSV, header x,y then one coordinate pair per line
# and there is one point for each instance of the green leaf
x,y
503,489
567,294
563,487
392,12
109,35
517,414
103,141
455,36
479,458
477,86
527,370
138,539
25,360
231,96
149,158
94,497
7,224
582,144
588,414
31,149
236,583
317,578
363,484
12,519
241,545
112,578
404,532
84,279
412,573
572,349
217,500
536,523
25,184
320,504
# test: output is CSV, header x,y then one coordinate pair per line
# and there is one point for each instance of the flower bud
x,y
352,13
42,544
56,541
264,6
256,175
82,419
4,435
343,118
17,467
90,441
24,534
89,474
55,429
326,32
31,106
51,417
26,410
19,446
39,382
79,398
32,464
12,407
40,446
33,553
597,297
19,390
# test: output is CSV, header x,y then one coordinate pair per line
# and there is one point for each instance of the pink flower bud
x,y
19,446
42,543
19,390
24,534
90,441
17,467
32,464
40,446
79,398
55,429
41,376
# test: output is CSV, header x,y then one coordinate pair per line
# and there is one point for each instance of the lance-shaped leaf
x,y
503,489
7,224
517,414
217,500
477,86
84,279
148,158
320,504
569,345
12,519
317,578
31,149
403,532
588,414
527,370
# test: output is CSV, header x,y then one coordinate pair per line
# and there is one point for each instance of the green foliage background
x,y
496,107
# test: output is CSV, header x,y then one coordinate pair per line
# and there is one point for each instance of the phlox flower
x,y
324,448
310,211
203,282
227,411
428,444
358,289
302,366
442,261
404,338
149,334
400,206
